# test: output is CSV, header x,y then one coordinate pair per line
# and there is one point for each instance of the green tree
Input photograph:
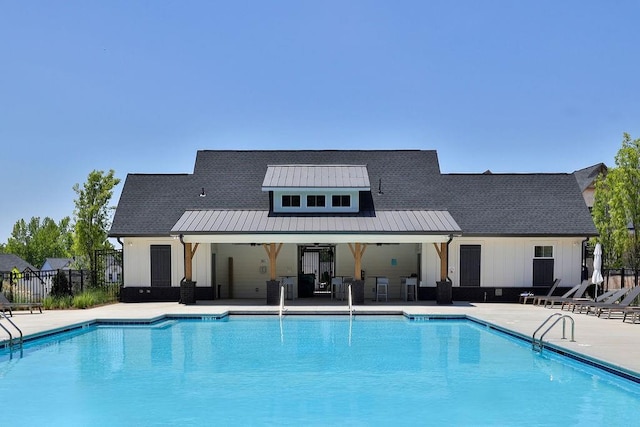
x,y
37,240
617,206
604,221
93,215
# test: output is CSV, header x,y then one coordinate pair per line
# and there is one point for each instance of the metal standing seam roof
x,y
251,221
316,176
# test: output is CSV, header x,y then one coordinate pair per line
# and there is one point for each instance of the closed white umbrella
x,y
596,278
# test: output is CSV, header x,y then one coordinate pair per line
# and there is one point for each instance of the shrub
x,y
84,300
57,303
87,299
61,286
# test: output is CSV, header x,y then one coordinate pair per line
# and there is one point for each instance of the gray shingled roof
x,y
58,263
517,204
588,175
481,204
9,261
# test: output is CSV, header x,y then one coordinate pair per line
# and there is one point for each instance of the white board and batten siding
x,y
505,262
508,262
137,261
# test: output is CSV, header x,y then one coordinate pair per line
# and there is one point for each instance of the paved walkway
x,y
608,341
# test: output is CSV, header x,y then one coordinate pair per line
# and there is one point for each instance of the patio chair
x,y
382,288
617,294
526,296
632,312
571,302
599,308
540,299
550,302
409,288
346,281
337,288
6,305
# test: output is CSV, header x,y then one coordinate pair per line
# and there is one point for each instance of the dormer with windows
x,y
316,188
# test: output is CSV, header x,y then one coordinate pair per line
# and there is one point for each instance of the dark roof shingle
x,y
481,204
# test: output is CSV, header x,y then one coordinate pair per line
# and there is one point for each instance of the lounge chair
x,y
599,308
572,302
524,297
552,301
577,295
617,294
6,305
632,312
544,299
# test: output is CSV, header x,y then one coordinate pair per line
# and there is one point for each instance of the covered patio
x,y
363,248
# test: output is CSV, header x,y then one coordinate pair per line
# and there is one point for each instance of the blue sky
x,y
140,86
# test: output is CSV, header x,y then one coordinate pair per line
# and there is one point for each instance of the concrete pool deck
x,y
609,341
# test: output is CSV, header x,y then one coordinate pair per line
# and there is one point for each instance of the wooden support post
x,y
358,252
443,254
187,262
189,253
272,252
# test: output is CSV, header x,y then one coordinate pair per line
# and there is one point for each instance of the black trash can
x,y
273,292
444,293
306,285
187,292
357,288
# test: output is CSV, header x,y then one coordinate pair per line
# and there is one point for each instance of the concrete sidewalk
x,y
607,341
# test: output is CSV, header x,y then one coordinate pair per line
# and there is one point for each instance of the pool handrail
x,y
281,299
4,316
563,317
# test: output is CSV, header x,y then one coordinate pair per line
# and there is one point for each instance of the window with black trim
x,y
290,201
316,201
341,201
543,252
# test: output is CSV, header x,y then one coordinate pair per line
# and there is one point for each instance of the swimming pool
x,y
305,370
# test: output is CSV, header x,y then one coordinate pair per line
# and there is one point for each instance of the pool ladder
x,y
538,345
11,344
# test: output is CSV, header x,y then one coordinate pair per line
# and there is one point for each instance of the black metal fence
x,y
35,286
107,270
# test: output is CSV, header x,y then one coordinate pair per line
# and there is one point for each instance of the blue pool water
x,y
305,371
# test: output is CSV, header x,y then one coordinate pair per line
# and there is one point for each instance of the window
x,y
315,201
543,252
290,201
341,201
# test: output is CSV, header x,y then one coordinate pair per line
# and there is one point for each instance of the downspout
x,y
122,260
184,252
449,242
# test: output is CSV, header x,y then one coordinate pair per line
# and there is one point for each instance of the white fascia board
x,y
315,238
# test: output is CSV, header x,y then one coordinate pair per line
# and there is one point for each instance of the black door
x,y
470,265
160,265
542,272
